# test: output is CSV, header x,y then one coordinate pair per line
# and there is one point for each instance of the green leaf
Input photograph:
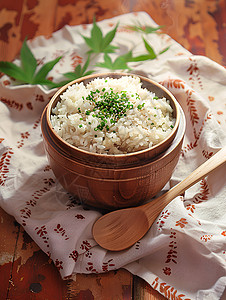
x,y
45,69
96,36
164,50
149,49
149,29
79,71
86,64
28,61
127,56
53,85
109,38
89,43
99,43
143,28
110,49
118,64
45,82
12,70
140,58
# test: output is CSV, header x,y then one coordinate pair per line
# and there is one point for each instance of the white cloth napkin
x,y
183,255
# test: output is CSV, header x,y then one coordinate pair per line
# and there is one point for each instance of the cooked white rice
x,y
143,120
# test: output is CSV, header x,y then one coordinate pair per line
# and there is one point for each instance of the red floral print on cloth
x,y
12,104
25,212
194,72
191,207
223,233
167,271
204,192
47,168
85,245
206,237
91,268
200,197
58,264
59,229
24,136
197,135
189,147
88,254
75,59
42,233
207,154
29,105
191,107
171,255
79,216
164,215
137,245
106,265
74,255
182,222
4,164
36,123
6,82
168,291
173,83
39,98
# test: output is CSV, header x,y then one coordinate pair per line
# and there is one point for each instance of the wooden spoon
x,y
120,229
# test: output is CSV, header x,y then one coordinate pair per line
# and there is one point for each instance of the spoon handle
x,y
155,207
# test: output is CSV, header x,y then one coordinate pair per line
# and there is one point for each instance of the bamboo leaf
x,y
86,64
53,85
149,29
12,70
141,58
143,29
28,61
78,69
164,50
149,49
45,69
45,82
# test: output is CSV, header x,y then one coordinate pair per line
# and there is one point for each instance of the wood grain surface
x,y
198,25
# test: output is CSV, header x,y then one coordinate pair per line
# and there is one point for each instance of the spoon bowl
x,y
120,229
109,231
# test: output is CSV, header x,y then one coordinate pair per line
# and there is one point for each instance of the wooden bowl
x,y
120,160
112,181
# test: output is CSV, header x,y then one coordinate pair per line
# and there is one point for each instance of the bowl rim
x,y
109,74
178,139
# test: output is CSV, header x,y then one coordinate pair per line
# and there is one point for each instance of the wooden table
x,y
199,25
